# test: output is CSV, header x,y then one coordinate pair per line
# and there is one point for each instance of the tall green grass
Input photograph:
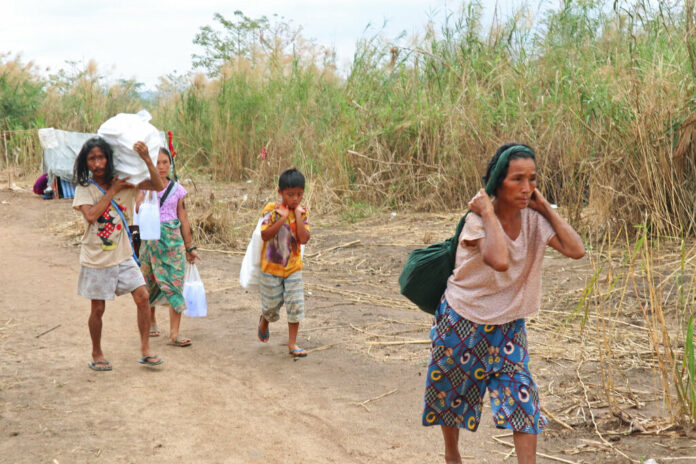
x,y
604,91
81,98
637,312
603,94
21,93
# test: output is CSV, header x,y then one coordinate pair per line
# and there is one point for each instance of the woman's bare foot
x,y
154,330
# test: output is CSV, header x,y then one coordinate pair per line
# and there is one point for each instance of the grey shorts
x,y
104,283
278,290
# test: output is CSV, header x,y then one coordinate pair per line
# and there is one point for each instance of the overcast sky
x,y
145,39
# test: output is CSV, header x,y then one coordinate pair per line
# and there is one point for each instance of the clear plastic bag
x,y
250,272
194,293
149,217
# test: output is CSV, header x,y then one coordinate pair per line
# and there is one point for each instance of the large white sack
x,y
121,132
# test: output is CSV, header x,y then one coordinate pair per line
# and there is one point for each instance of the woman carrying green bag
x,y
479,339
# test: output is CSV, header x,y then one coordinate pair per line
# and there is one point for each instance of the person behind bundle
x,y
163,261
284,229
479,339
108,265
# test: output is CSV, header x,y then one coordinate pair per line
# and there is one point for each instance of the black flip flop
x,y
147,362
100,366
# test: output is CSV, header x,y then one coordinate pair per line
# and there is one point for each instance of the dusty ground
x,y
230,399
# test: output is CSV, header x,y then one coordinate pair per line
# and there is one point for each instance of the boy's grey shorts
x,y
103,283
278,290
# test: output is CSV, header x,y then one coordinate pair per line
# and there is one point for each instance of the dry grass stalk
x,y
47,331
364,403
406,342
542,455
594,422
326,347
362,297
556,419
226,252
344,245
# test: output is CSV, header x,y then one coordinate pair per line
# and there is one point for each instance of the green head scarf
x,y
501,164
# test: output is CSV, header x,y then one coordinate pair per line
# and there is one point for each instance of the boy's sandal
x,y
298,352
149,360
180,340
100,366
263,336
154,330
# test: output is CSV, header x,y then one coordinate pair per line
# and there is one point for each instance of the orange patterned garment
x,y
281,255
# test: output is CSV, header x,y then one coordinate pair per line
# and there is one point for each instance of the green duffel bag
x,y
423,279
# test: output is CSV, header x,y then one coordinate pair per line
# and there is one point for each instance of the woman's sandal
x,y
154,330
180,340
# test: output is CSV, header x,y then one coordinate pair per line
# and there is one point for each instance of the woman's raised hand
x,y
537,200
481,203
141,149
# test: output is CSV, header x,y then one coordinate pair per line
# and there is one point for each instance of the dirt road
x,y
230,399
226,399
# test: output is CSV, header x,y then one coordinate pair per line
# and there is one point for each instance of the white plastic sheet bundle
x,y
121,132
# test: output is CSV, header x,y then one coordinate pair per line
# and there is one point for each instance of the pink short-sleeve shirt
x,y
485,296
168,211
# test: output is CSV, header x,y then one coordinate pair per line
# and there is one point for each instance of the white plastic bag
x,y
194,293
149,217
250,273
121,132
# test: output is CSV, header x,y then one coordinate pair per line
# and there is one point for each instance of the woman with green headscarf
x,y
479,339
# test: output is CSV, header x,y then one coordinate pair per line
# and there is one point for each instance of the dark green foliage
x,y
21,94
